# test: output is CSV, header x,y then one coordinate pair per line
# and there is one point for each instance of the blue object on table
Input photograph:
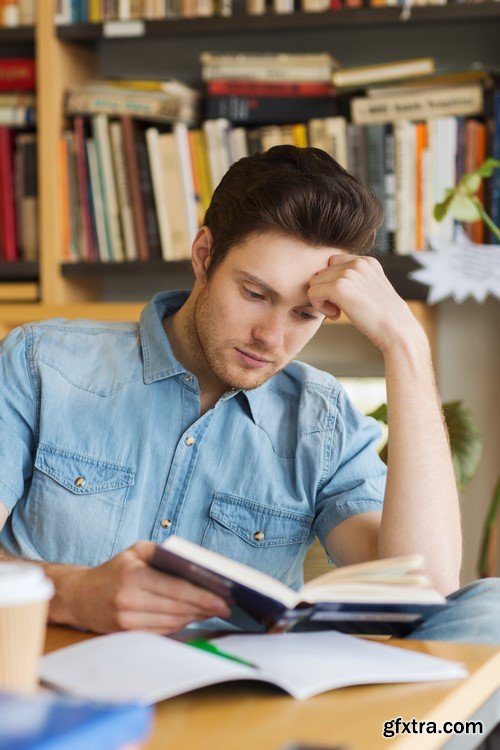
x,y
56,723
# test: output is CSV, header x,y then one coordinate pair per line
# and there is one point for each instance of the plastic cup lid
x,y
22,583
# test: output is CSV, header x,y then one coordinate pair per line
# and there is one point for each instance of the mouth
x,y
251,359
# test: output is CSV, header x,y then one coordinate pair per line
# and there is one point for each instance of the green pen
x,y
206,646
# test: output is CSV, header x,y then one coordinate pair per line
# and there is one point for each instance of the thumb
x,y
338,259
144,550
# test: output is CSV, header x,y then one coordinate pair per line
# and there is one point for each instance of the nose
x,y
270,332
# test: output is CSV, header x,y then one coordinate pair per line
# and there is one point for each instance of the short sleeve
x,y
354,475
17,417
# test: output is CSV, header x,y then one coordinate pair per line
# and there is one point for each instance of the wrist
x,y
68,581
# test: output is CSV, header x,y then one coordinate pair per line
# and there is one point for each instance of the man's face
x,y
253,316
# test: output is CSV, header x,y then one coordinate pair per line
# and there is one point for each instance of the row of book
x,y
18,196
14,13
95,11
131,191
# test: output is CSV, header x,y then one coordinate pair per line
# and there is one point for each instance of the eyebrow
x,y
275,295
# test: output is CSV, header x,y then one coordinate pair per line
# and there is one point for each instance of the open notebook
x,y
148,668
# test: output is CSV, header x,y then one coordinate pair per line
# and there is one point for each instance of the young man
x,y
198,422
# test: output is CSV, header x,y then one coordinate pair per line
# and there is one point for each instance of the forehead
x,y
285,263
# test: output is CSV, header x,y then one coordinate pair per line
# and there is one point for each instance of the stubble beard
x,y
200,330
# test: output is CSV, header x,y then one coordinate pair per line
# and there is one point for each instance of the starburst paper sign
x,y
458,269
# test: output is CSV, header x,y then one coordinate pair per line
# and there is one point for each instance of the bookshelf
x,y
73,54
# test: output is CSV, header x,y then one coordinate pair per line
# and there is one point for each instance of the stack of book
x,y
18,162
126,188
14,13
268,88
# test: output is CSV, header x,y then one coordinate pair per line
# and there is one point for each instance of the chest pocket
x,y
75,506
270,539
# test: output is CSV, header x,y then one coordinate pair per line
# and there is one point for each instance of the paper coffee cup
x,y
25,592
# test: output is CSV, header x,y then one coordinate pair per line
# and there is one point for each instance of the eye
x,y
252,295
307,317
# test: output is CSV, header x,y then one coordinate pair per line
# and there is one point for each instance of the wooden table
x,y
248,716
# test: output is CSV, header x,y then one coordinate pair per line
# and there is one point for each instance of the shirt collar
x,y
158,358
159,361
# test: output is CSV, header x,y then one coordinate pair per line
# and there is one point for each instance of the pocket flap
x,y
82,475
260,525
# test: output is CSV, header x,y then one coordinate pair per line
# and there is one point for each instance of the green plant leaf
x,y
440,210
465,441
470,182
489,528
487,167
380,413
463,208
466,444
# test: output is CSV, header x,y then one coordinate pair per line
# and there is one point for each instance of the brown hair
x,y
300,192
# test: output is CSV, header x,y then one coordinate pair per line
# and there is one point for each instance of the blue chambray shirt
x,y
102,444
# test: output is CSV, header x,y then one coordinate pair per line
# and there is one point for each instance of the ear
x,y
201,253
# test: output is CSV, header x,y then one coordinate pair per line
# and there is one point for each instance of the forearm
x,y
65,580
421,508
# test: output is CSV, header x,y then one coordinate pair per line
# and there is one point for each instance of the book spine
x,y
155,163
375,170
226,87
66,253
139,104
403,142
336,133
299,133
18,117
174,190
389,187
495,179
267,73
97,200
186,170
123,192
17,74
262,110
128,130
76,230
356,148
103,146
146,186
90,247
461,100
10,249
420,147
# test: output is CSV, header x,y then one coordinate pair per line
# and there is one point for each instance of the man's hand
x,y
358,286
126,593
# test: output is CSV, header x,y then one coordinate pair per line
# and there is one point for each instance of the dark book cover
x,y
129,138
266,110
358,617
147,193
17,74
390,212
10,249
254,140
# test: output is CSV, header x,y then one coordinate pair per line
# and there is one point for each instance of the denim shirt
x,y
102,444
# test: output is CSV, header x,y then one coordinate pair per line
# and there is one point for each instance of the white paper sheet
x,y
459,269
148,668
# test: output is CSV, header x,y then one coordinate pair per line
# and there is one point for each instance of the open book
x,y
380,597
147,668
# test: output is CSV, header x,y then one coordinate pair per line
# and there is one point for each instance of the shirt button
x,y
188,378
165,523
258,536
190,441
80,481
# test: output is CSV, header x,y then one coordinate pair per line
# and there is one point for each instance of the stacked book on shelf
x,y
15,13
136,183
18,161
96,11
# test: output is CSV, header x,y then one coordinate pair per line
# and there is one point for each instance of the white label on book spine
x,y
114,29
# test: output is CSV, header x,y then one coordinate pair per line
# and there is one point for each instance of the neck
x,y
188,350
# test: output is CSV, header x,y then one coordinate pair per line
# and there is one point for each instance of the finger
x,y
320,297
144,601
340,258
161,623
169,586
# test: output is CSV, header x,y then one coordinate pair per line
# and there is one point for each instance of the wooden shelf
x,y
298,21
19,271
18,291
396,268
17,34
